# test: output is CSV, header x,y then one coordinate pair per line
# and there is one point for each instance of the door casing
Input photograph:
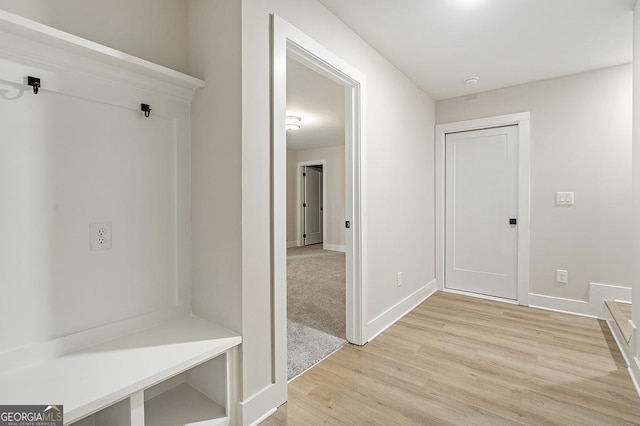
x,y
287,40
522,120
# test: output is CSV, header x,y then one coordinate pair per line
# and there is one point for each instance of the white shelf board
x,y
32,30
89,380
183,406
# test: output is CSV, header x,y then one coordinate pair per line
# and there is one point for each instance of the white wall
x,y
334,233
155,30
214,55
292,200
399,176
581,142
81,152
635,224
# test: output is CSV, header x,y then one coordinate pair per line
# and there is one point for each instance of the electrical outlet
x,y
399,279
564,198
562,276
100,236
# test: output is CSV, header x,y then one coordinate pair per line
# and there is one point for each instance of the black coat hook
x,y
146,109
35,82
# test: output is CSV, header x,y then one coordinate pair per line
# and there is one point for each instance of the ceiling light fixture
x,y
292,122
472,81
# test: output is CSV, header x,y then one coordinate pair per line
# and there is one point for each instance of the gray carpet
x,y
316,305
307,346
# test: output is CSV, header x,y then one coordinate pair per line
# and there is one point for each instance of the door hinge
x,y
304,235
304,174
304,204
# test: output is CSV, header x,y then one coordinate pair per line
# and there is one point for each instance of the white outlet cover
x,y
562,276
100,236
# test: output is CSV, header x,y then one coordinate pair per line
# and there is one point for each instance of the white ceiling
x,y
440,43
320,103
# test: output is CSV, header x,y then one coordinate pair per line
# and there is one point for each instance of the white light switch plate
x,y
564,199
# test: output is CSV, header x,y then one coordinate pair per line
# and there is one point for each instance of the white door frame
x,y
299,211
522,120
287,40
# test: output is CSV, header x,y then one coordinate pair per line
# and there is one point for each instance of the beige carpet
x,y
316,305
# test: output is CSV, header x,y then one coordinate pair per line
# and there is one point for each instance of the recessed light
x,y
472,81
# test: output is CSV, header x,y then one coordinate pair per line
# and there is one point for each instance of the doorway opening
x,y
316,267
289,42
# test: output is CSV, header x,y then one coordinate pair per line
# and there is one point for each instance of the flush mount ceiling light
x,y
471,81
292,122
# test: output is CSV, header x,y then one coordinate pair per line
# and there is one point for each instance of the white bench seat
x,y
87,381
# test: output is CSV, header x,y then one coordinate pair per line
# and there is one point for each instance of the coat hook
x,y
35,82
146,109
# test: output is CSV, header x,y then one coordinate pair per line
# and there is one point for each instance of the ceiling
x,y
320,103
440,43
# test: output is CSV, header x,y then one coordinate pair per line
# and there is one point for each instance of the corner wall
x,y
581,142
635,223
216,186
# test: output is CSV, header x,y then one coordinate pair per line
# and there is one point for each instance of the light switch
x,y
564,199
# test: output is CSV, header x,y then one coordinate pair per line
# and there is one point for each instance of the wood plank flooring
x,y
467,361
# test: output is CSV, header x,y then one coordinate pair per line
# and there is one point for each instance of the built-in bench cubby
x,y
174,374
96,311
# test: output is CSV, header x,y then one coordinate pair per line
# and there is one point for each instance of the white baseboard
x,y
633,364
334,247
598,293
261,405
560,304
397,311
292,244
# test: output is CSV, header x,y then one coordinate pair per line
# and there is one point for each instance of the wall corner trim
x,y
389,317
260,405
562,305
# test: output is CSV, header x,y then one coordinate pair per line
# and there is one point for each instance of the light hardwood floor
x,y
468,361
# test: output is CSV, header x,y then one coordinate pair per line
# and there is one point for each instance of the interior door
x,y
481,238
312,204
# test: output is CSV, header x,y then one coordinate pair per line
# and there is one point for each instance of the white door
x,y
312,204
481,203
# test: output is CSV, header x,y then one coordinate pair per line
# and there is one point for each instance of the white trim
x,y
265,417
61,47
480,296
389,317
599,293
259,406
522,120
288,41
335,247
560,304
291,244
299,200
633,367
